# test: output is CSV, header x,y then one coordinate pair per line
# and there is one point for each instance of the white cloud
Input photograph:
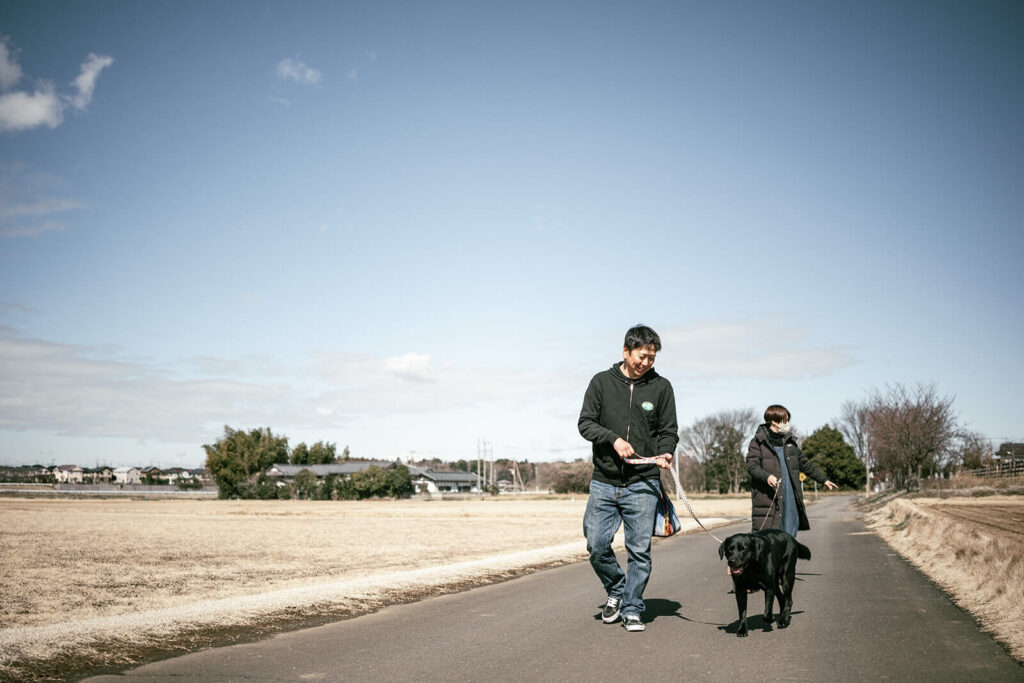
x,y
43,106
10,70
22,110
294,70
85,84
412,367
766,347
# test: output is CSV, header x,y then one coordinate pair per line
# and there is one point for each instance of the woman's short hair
x,y
641,336
776,413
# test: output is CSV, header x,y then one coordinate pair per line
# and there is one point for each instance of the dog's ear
x,y
721,550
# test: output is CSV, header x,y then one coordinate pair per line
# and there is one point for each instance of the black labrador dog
x,y
766,560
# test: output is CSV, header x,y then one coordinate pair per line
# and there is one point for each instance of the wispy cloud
x,y
765,347
85,84
293,70
42,105
76,390
31,203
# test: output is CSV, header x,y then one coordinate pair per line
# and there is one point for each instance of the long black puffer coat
x,y
763,461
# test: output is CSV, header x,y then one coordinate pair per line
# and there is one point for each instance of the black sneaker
x,y
631,622
610,613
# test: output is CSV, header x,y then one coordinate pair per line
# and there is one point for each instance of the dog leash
x,y
778,485
680,493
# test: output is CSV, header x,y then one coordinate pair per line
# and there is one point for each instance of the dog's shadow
x,y
755,622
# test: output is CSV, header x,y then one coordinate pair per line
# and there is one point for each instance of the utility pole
x,y
489,463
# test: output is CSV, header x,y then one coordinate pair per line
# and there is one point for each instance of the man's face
x,y
638,361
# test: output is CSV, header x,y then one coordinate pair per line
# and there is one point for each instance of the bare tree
x,y
852,424
910,429
714,447
695,445
975,450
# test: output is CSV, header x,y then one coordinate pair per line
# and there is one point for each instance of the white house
x,y
426,479
127,475
68,474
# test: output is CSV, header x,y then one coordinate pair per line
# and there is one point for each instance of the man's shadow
x,y
654,608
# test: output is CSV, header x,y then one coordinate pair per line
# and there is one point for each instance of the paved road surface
x,y
860,614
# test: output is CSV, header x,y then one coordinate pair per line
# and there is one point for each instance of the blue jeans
x,y
634,506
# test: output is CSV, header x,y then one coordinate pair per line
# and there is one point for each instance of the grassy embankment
x,y
968,537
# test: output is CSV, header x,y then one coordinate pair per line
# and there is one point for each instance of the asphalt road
x,y
860,613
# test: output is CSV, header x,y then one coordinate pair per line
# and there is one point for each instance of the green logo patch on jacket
x,y
647,405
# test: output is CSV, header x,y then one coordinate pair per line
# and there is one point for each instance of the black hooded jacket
x,y
763,461
641,411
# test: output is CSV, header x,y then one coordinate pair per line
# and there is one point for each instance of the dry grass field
x,y
87,584
973,547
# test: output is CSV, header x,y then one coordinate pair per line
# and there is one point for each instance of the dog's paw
x,y
783,622
741,634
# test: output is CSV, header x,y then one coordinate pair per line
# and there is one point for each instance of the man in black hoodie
x,y
629,416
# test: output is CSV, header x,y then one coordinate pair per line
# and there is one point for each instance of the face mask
x,y
782,428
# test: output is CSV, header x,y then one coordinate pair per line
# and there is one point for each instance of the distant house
x,y
426,479
127,475
201,474
68,474
98,475
152,475
285,474
36,474
178,475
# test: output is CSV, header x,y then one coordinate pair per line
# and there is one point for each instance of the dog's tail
x,y
802,551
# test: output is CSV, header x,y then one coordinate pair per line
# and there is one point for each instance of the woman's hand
x,y
830,485
773,481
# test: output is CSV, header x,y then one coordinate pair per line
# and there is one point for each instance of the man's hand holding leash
x,y
626,452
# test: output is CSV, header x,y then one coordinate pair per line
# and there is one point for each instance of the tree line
x,y
900,434
239,460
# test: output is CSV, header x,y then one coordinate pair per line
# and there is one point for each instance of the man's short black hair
x,y
641,336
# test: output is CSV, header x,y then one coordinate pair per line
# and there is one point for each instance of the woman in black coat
x,y
777,501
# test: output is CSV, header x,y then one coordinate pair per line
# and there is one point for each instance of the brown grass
x,y
962,485
972,547
104,583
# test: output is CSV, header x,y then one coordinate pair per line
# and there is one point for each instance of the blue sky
x,y
407,227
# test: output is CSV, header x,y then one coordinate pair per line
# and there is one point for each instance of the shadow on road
x,y
657,607
755,622
654,608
